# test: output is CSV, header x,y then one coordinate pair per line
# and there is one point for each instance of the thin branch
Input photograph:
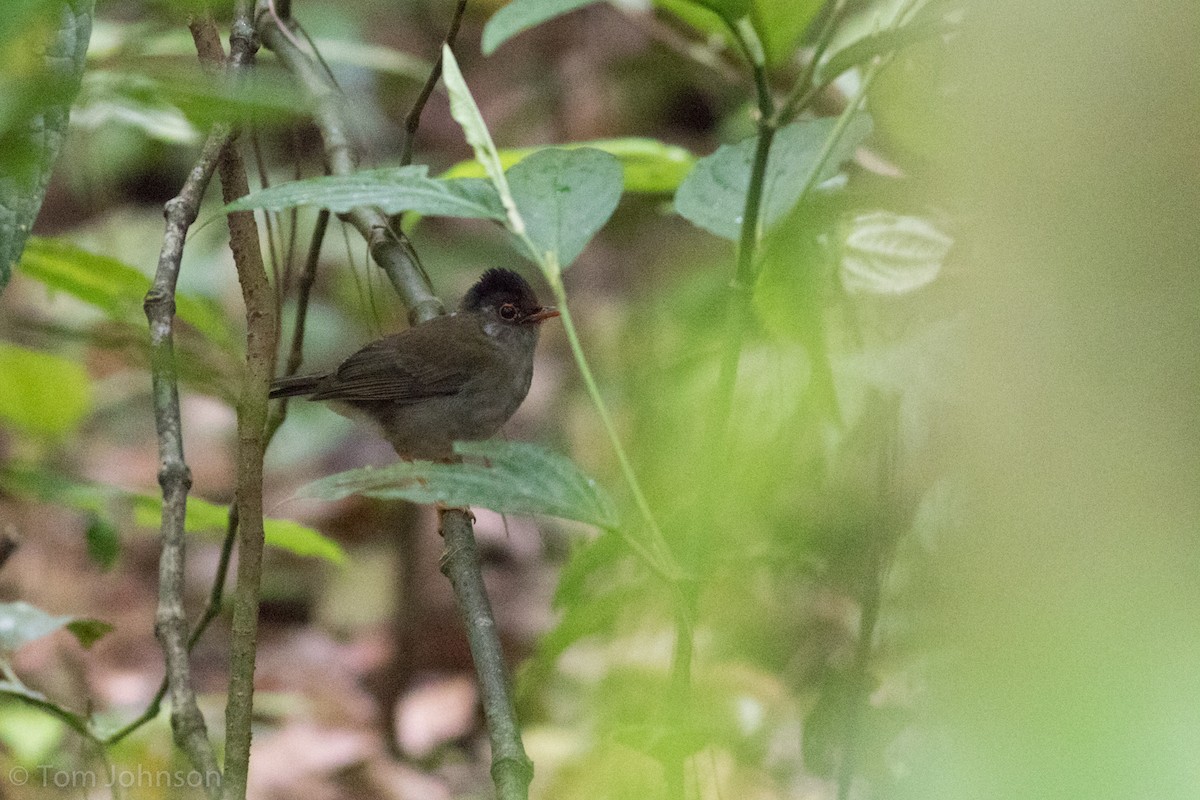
x,y
173,474
511,768
296,353
413,120
252,419
206,617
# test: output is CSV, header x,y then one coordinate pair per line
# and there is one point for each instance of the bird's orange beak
x,y
541,315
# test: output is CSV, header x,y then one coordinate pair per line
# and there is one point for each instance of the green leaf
x,y
394,190
730,10
565,197
780,23
40,393
115,288
89,631
847,52
203,516
44,58
649,166
520,479
521,15
103,542
713,195
466,114
21,623
884,253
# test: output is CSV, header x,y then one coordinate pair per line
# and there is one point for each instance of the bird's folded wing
x,y
407,367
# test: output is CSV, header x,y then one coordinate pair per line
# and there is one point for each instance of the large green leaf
x,y
713,195
519,478
521,15
649,165
395,190
565,197
115,288
41,393
42,45
21,623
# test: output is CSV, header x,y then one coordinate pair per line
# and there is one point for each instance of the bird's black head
x,y
507,295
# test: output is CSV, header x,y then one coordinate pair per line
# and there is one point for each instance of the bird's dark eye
x,y
508,311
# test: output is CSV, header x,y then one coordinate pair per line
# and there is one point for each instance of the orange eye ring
x,y
508,311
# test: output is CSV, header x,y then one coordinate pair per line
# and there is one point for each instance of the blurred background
x,y
989,459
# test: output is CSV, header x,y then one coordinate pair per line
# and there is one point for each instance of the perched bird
x,y
456,377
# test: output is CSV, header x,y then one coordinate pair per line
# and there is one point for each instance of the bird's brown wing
x,y
406,367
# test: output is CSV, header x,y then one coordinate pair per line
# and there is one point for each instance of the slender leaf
x,y
890,254
565,197
781,23
649,166
44,49
519,478
521,15
394,190
466,114
41,393
930,21
714,194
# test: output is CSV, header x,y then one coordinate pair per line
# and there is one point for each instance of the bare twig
x,y
413,120
511,768
173,474
252,419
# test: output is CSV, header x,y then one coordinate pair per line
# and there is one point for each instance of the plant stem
x,y
511,768
658,555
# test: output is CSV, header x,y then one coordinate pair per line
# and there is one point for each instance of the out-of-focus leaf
x,y
565,197
264,95
520,479
726,9
394,190
41,393
43,59
932,20
115,288
780,24
88,631
649,166
521,15
203,516
103,542
889,254
101,104
713,195
21,623
30,735
698,17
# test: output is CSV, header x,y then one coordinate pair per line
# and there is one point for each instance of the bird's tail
x,y
297,385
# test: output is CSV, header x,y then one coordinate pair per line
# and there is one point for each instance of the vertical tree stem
x,y
511,768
